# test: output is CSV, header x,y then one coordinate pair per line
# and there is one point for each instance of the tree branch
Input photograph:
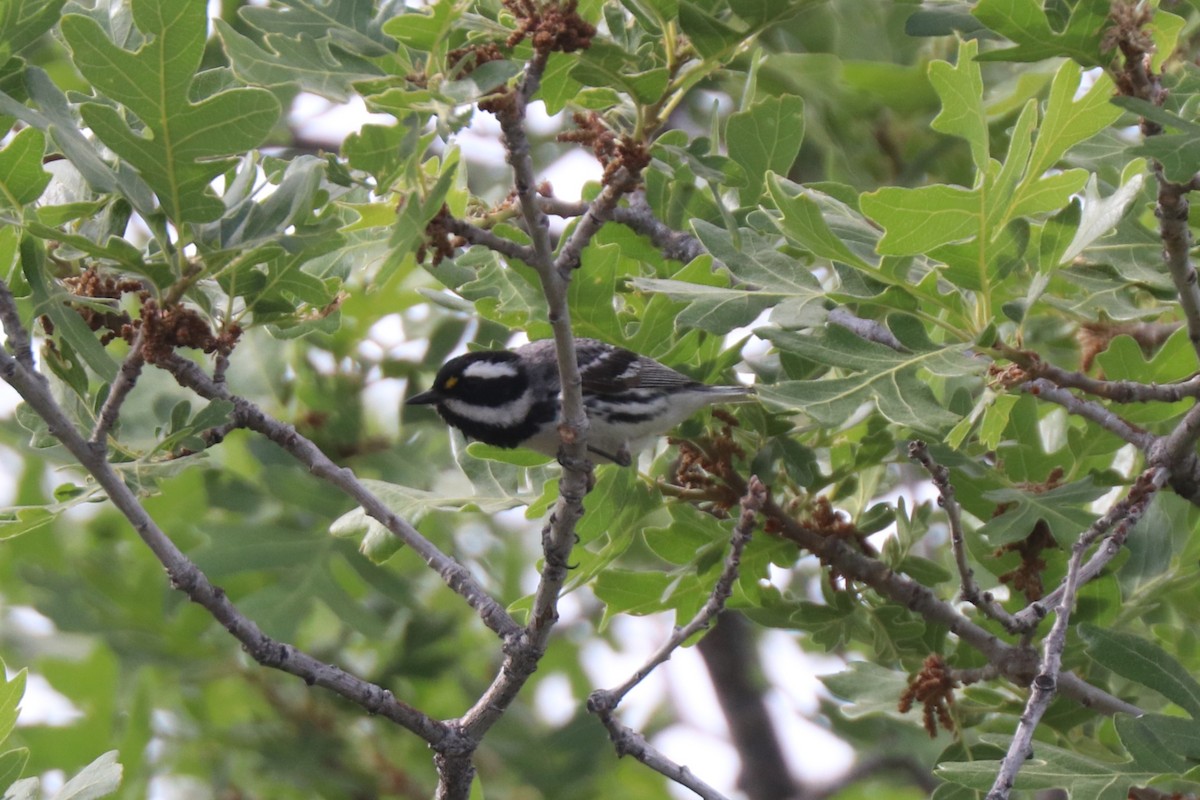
x,y
523,653
126,379
919,452
1089,410
1172,213
18,337
249,415
752,503
1116,391
185,575
474,234
1120,518
1028,617
604,702
1017,664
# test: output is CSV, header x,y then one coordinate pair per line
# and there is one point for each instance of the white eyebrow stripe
x,y
511,413
490,369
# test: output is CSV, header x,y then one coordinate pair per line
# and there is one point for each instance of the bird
x,y
512,398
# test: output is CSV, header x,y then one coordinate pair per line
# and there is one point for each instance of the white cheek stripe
x,y
511,413
490,369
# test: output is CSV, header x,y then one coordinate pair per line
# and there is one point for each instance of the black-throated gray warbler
x,y
511,398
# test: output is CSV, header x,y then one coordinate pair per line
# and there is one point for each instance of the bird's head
x,y
484,378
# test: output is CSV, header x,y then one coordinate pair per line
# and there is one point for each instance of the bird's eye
x,y
450,383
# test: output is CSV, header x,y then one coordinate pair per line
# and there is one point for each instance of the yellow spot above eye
x,y
450,382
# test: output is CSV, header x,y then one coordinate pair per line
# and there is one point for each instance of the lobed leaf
x,y
178,146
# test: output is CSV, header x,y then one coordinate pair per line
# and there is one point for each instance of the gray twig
x,y
18,337
185,576
919,452
629,742
1089,410
1120,518
1172,213
248,415
603,702
1116,391
126,379
752,502
473,234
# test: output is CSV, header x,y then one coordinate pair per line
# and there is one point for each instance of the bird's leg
x,y
579,464
621,458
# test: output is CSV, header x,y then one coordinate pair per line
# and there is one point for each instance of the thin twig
x,y
629,742
1180,442
752,503
919,452
1089,410
558,534
126,379
1028,617
185,576
604,702
249,415
599,211
1119,519
1116,391
18,337
1017,664
1172,213
473,234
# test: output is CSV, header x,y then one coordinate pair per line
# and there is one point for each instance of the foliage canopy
x,y
948,242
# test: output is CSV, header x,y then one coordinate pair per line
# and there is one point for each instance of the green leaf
x,y
12,764
605,65
767,279
22,179
57,122
1064,509
1174,734
303,61
424,31
893,382
349,24
960,88
1050,767
1026,24
629,592
711,37
693,537
98,779
821,224
1143,662
11,691
179,147
765,138
871,688
518,457
918,220
24,21
1070,120
1101,214
67,322
1146,744
1177,152
20,521
558,87
379,544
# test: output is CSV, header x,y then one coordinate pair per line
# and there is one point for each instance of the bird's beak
x,y
423,399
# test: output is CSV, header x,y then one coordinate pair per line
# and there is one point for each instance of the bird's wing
x,y
606,370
